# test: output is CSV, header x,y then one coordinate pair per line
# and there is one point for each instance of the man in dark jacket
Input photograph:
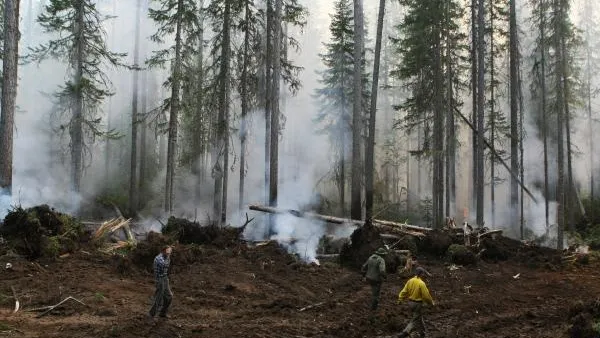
x,y
374,272
163,294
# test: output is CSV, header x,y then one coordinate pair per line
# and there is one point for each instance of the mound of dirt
x,y
142,256
42,231
584,318
364,241
504,248
460,254
187,232
437,242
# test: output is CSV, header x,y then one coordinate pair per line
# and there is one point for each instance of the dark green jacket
x,y
374,268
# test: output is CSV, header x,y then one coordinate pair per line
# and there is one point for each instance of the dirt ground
x,y
259,292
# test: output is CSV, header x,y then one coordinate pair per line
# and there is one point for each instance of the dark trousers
x,y
162,298
375,291
416,322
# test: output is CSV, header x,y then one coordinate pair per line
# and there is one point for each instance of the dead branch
x,y
57,305
243,227
311,306
17,304
491,148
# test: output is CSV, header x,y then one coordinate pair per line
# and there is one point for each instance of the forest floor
x,y
259,292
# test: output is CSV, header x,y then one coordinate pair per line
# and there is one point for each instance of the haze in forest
x,y
307,161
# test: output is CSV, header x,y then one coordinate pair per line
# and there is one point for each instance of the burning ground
x,y
226,288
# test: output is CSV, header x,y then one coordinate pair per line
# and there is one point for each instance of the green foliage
x,y
426,24
83,47
557,27
50,246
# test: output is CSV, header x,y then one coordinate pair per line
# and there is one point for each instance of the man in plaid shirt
x,y
163,294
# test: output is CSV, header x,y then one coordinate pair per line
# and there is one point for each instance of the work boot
x,y
164,316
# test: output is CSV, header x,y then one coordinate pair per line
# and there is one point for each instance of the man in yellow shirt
x,y
416,292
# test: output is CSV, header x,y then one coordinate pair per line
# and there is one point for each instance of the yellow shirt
x,y
415,290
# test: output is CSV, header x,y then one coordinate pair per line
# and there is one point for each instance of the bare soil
x,y
237,291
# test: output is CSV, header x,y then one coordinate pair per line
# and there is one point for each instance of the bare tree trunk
x,y
244,94
370,153
357,113
268,100
143,143
438,136
275,82
474,88
567,118
133,182
76,128
9,92
480,109
544,113
493,116
224,105
200,139
173,116
514,107
450,139
589,114
560,189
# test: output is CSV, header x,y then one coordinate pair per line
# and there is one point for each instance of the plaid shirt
x,y
161,266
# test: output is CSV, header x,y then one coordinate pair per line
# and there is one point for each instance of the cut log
x,y
490,233
396,227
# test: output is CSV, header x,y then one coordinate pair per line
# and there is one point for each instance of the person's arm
x,y
425,295
403,294
382,268
363,269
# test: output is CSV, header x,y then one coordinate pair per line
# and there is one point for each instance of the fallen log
x,y
387,225
490,233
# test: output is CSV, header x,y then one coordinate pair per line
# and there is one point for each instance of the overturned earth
x,y
227,288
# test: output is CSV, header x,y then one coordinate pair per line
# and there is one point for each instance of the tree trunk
x,y
480,110
76,129
514,107
438,135
143,143
544,113
9,92
450,138
275,82
474,88
200,139
133,182
560,189
357,112
589,113
567,118
268,100
223,131
370,153
109,118
493,116
173,116
245,103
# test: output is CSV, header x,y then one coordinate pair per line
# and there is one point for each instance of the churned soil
x,y
241,291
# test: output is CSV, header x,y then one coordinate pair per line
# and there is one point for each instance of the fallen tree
x,y
384,226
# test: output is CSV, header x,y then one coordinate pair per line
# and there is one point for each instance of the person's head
x,y
381,251
419,272
167,250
